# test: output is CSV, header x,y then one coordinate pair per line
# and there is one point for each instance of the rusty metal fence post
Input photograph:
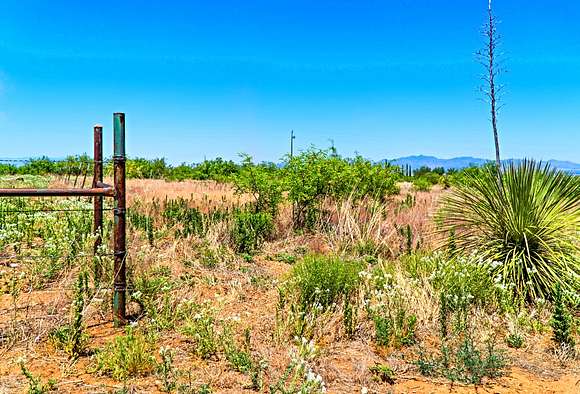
x,y
98,200
120,281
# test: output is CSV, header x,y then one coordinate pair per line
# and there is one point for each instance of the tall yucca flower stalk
x,y
529,223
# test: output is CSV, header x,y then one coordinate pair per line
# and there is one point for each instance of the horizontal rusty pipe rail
x,y
101,190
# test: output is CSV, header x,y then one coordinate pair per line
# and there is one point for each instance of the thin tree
x,y
488,57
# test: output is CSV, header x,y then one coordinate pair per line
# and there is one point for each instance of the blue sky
x,y
215,78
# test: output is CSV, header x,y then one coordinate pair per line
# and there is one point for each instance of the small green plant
x,y
189,387
382,373
319,284
285,258
200,328
397,331
422,184
428,366
561,321
165,369
239,358
515,340
72,337
444,312
407,234
35,384
142,222
152,292
298,376
127,356
465,363
250,230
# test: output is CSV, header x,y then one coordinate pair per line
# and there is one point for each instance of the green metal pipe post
x,y
120,250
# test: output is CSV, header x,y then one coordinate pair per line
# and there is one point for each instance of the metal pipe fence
x,y
98,192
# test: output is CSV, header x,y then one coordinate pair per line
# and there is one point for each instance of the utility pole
x,y
332,148
292,137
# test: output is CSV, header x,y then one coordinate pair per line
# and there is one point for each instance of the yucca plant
x,y
527,220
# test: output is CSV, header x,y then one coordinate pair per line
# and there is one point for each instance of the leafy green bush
x,y
250,230
152,293
127,356
465,362
527,218
464,280
262,183
316,175
146,169
188,220
200,327
422,184
35,384
217,169
515,341
376,180
561,321
318,284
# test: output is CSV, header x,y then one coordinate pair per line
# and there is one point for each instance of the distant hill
x,y
466,161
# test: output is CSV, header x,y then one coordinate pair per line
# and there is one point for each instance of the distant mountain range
x,y
466,161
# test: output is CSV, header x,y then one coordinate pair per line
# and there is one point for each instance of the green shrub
x,y
166,370
515,341
262,184
200,328
464,280
72,337
191,220
127,356
396,331
146,169
142,222
35,384
422,184
464,283
382,373
561,321
250,230
527,218
318,284
152,292
465,363
316,175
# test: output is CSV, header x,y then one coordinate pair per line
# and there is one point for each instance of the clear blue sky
x,y
214,78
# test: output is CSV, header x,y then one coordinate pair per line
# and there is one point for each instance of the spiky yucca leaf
x,y
529,222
